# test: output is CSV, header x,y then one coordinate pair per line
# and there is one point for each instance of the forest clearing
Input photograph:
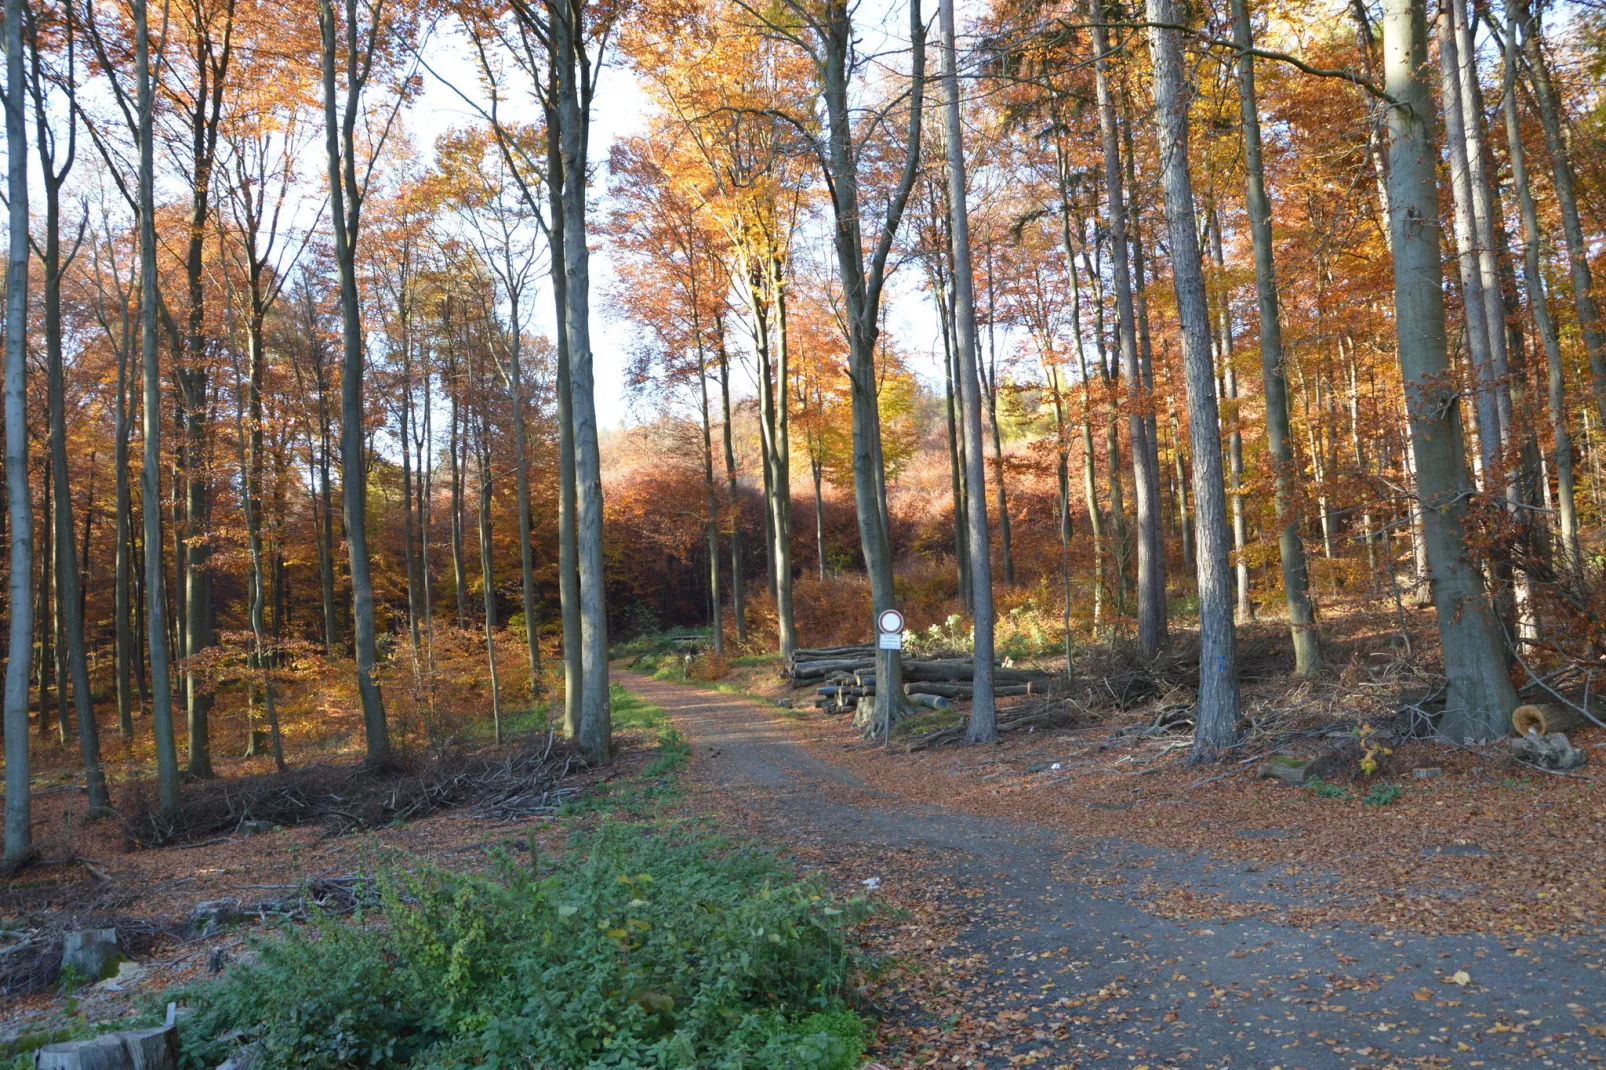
x,y
714,534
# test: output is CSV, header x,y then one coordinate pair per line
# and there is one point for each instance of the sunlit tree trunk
x,y
738,585
1480,697
1217,708
716,621
983,726
482,454
1538,302
1274,384
1564,183
573,121
861,295
1474,306
151,476
1146,482
69,607
345,208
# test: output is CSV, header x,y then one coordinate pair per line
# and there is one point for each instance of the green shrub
x,y
636,949
1383,794
1324,790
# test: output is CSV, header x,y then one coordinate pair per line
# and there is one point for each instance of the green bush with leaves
x,y
635,949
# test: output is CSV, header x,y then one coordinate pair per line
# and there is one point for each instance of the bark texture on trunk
x,y
345,210
19,500
1480,697
1290,547
156,628
1217,710
983,726
1146,480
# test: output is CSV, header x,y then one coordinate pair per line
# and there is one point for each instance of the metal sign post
x,y
889,629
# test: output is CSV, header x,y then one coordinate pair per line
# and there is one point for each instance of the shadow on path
x,y
1088,977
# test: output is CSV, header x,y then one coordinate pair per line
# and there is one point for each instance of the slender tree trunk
x,y
1474,306
482,453
1290,548
122,603
1217,709
151,477
1533,278
983,726
595,714
345,206
1146,482
738,583
816,469
252,465
941,282
1480,696
521,481
69,607
19,499
715,608
1564,183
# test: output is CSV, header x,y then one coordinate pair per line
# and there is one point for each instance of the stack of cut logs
x,y
841,675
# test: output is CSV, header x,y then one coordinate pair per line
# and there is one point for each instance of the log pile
x,y
843,675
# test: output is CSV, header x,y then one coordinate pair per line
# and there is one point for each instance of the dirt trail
x,y
1081,974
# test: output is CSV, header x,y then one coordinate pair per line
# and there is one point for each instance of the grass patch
x,y
632,711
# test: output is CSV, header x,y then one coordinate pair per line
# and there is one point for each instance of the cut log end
x,y
1545,718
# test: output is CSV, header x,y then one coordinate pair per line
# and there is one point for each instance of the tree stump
x,y
136,1049
91,955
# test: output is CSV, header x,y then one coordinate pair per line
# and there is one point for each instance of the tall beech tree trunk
x,y
19,500
1480,697
1217,709
151,475
983,726
69,605
862,280
738,584
345,212
573,103
1146,480
1290,548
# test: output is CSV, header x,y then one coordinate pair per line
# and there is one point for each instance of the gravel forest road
x,y
1077,972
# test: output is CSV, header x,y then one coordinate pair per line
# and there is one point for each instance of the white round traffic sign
x,y
890,622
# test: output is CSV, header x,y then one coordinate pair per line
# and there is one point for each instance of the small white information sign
x,y
891,641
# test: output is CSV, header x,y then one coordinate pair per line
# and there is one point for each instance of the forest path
x,y
1060,964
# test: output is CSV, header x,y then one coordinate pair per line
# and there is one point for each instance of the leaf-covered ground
x,y
1106,914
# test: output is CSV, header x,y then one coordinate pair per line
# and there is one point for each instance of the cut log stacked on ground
x,y
844,675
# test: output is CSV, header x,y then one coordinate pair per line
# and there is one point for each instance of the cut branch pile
x,y
344,798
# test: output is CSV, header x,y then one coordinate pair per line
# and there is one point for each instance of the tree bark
x,y
1146,482
1480,697
1564,182
69,606
345,211
1538,302
19,499
573,122
983,727
151,475
1217,709
1290,548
